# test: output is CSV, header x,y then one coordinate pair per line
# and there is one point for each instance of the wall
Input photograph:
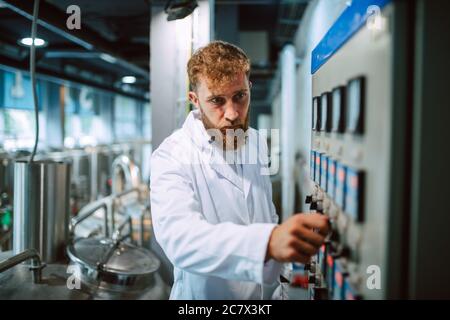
x,y
171,45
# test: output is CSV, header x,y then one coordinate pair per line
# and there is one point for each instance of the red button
x,y
300,281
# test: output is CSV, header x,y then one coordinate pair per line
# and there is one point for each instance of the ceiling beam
x,y
54,20
54,75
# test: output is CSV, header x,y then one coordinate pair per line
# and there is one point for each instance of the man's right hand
x,y
298,238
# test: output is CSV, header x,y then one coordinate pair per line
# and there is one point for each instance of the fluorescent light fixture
x,y
108,58
129,79
38,42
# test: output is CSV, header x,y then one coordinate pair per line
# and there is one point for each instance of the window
x,y
17,119
83,126
125,118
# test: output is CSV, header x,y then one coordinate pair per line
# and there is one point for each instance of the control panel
x,y
349,164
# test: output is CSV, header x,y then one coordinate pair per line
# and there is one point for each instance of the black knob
x,y
308,199
313,205
334,237
342,252
319,207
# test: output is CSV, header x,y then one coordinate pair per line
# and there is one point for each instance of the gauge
x,y
324,172
338,106
331,181
355,106
354,195
325,101
316,114
340,185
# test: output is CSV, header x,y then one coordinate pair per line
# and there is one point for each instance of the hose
x,y
33,75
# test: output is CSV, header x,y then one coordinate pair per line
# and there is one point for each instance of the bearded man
x,y
212,210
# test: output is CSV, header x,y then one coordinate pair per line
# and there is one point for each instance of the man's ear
x,y
193,98
250,84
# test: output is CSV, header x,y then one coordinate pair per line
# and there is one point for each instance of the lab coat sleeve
x,y
225,250
272,268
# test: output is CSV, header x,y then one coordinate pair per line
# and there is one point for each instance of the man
x,y
214,217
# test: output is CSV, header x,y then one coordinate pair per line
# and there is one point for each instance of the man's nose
x,y
230,112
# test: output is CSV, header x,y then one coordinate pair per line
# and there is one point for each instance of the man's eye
x,y
240,95
217,101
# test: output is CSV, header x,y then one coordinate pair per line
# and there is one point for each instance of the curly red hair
x,y
219,62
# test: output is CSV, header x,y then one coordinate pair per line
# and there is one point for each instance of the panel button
x,y
339,277
323,172
316,117
331,177
340,185
330,274
350,292
308,199
312,163
355,105
325,113
321,259
317,168
338,106
354,196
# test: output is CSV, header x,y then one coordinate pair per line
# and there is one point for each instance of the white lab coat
x,y
213,226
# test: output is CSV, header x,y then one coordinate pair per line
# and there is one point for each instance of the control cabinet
x,y
351,154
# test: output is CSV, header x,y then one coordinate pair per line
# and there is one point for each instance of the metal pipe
x,y
116,198
89,210
130,171
36,263
118,237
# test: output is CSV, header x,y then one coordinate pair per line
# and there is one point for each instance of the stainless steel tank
x,y
81,177
41,208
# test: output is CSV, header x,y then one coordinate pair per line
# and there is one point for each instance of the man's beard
x,y
230,137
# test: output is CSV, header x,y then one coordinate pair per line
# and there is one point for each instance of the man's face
x,y
226,107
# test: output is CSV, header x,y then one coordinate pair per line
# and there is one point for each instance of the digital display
x,y
323,172
331,180
317,167
338,281
325,123
312,163
323,252
338,107
340,185
355,106
354,194
316,114
330,274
